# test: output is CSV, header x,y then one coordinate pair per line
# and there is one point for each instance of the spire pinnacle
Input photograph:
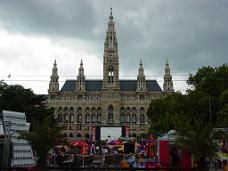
x,y
81,62
167,62
55,63
140,61
111,17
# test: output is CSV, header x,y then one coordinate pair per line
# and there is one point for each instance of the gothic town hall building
x,y
82,105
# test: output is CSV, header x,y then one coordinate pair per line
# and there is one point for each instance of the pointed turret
x,y
111,61
80,84
141,83
168,83
54,83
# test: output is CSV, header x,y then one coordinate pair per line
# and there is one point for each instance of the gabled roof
x,y
96,85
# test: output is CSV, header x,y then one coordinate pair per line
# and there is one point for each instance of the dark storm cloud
x,y
49,17
190,33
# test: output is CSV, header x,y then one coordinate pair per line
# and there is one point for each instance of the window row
x,y
96,110
127,118
71,118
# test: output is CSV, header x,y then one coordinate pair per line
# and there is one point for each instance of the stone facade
x,y
82,104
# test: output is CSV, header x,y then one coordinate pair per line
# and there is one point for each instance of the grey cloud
x,y
52,17
191,33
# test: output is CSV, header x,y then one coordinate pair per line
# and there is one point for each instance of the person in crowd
x,y
132,160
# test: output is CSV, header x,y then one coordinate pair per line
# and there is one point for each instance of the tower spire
x,y
111,61
110,16
168,83
54,82
141,83
80,83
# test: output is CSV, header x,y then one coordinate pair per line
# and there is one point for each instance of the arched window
x,y
128,115
110,74
71,135
93,116
87,116
110,113
66,117
71,115
128,118
122,118
141,115
122,115
98,118
79,119
79,135
79,116
98,115
134,117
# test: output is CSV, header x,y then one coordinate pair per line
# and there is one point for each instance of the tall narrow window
x,y
141,115
122,118
98,118
98,115
87,119
110,113
71,119
110,74
122,115
66,115
134,117
79,116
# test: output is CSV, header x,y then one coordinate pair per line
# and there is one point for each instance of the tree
x,y
44,132
43,137
195,114
17,98
199,142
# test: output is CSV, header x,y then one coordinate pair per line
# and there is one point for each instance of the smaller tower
x,y
80,84
168,83
54,83
141,83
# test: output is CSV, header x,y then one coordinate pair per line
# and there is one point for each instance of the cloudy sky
x,y
33,33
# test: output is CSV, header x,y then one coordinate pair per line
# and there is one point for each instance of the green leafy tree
x,y
43,137
199,142
195,114
17,98
44,132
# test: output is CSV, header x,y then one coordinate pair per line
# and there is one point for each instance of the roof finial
x,y
167,62
111,17
55,62
81,62
140,61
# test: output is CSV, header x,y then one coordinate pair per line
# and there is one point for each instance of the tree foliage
x,y
44,133
17,98
195,114
43,137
